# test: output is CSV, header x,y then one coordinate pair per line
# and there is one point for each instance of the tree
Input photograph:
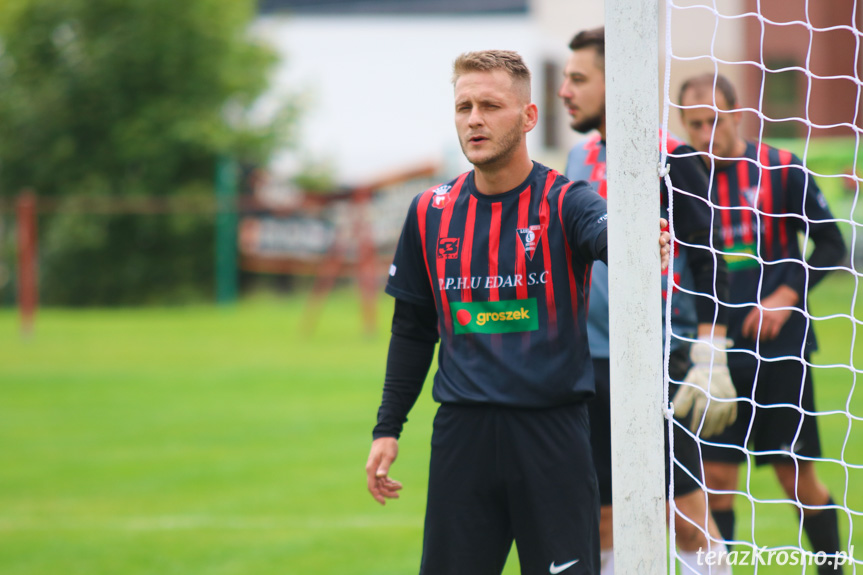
x,y
119,98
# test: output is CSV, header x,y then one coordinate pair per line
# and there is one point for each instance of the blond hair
x,y
492,60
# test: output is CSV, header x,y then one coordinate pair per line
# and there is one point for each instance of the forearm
x,y
408,362
414,334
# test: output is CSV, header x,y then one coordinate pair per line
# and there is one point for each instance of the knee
x,y
721,477
689,537
800,482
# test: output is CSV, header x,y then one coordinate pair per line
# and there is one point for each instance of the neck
x,y
492,180
601,129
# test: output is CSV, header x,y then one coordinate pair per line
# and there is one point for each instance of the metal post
x,y
28,280
226,231
632,88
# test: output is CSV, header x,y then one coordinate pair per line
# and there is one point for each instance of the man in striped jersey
x,y
761,193
695,270
494,263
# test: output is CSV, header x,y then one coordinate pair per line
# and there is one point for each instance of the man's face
x,y
583,90
708,131
491,117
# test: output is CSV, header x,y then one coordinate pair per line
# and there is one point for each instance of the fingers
x,y
380,485
698,413
750,324
386,488
764,324
683,401
664,243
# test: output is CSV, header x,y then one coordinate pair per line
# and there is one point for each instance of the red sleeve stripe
x,y
573,288
597,173
443,232
422,209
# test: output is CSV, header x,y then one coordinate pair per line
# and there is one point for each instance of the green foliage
x,y
120,98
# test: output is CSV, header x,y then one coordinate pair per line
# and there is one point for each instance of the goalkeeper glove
x,y
707,378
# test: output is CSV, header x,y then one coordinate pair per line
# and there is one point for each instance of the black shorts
x,y
779,426
500,474
686,458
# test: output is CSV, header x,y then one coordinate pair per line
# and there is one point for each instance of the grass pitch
x,y
232,441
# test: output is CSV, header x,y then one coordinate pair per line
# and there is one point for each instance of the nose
x,y
563,92
705,136
475,118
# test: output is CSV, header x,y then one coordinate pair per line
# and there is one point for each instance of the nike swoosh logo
x,y
555,569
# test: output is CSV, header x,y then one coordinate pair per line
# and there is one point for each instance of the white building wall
x,y
376,89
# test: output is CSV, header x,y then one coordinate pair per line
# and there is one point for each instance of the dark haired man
x,y
696,270
761,193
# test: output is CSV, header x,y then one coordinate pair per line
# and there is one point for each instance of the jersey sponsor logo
x,y
447,248
508,316
392,269
492,282
441,196
529,237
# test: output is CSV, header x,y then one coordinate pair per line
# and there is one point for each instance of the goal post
x,y
637,396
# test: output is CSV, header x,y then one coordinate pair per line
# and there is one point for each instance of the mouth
x,y
477,140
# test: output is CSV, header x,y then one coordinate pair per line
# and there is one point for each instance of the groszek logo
x,y
508,316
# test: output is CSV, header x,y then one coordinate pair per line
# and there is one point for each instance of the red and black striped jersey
x,y
507,274
763,201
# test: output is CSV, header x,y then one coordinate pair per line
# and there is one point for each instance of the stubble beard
x,y
589,123
505,150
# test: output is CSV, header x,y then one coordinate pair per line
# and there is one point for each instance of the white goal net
x,y
785,482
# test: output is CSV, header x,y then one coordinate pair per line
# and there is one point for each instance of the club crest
x,y
441,196
529,237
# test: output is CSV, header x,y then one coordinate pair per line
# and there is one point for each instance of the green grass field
x,y
232,441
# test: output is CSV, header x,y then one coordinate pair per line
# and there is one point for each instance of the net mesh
x,y
796,68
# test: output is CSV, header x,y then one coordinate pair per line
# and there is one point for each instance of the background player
x,y
583,94
778,328
494,262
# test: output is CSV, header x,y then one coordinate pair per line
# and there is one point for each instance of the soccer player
x,y
759,211
696,268
493,263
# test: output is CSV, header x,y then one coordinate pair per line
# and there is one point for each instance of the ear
x,y
531,116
